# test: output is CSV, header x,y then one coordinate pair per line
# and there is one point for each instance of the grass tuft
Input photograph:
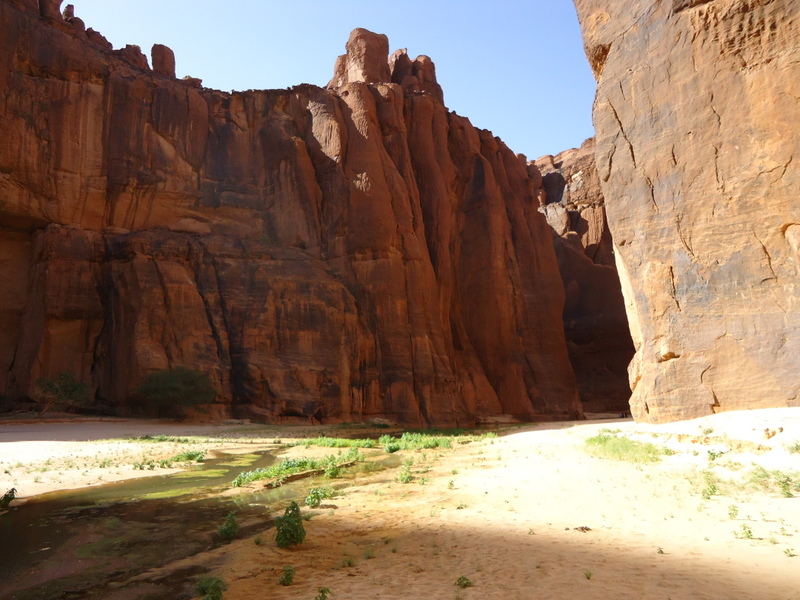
x,y
604,445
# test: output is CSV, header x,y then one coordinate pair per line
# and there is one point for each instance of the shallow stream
x,y
75,543
118,541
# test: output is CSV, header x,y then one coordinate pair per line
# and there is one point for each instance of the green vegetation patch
x,y
162,438
170,392
324,441
229,528
410,440
209,474
786,483
424,441
290,466
189,456
97,548
241,460
162,495
604,445
210,588
317,494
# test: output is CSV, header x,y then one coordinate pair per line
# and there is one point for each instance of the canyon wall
x,y
595,323
338,253
696,125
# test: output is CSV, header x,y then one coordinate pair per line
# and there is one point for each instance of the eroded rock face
x,y
696,116
595,323
330,254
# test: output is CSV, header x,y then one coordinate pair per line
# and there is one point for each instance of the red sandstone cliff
x,y
595,323
696,120
341,253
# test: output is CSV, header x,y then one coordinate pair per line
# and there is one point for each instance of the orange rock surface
x,y
326,254
696,124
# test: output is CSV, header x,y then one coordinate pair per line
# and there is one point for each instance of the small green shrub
x,y
287,575
322,594
229,528
290,530
733,511
392,446
8,497
149,465
710,488
317,495
210,588
170,391
183,457
744,533
405,476
190,456
463,582
64,389
346,561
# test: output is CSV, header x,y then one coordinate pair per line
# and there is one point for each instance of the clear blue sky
x,y
515,67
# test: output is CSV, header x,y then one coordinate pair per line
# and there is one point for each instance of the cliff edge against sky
x,y
329,254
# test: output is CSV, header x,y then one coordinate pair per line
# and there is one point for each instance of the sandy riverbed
x,y
527,515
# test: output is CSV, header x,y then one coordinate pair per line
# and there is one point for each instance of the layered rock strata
x,y
325,254
696,116
595,323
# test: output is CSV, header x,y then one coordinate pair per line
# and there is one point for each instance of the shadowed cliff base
x,y
595,323
332,254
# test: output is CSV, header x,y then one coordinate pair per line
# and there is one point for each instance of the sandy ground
x,y
37,456
526,515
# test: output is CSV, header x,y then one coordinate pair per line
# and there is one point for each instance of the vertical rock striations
x,y
332,254
696,116
595,324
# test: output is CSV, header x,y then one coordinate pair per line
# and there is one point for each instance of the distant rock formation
x,y
595,323
323,254
697,118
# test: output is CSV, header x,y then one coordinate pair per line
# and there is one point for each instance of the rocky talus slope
x,y
334,253
696,120
595,323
